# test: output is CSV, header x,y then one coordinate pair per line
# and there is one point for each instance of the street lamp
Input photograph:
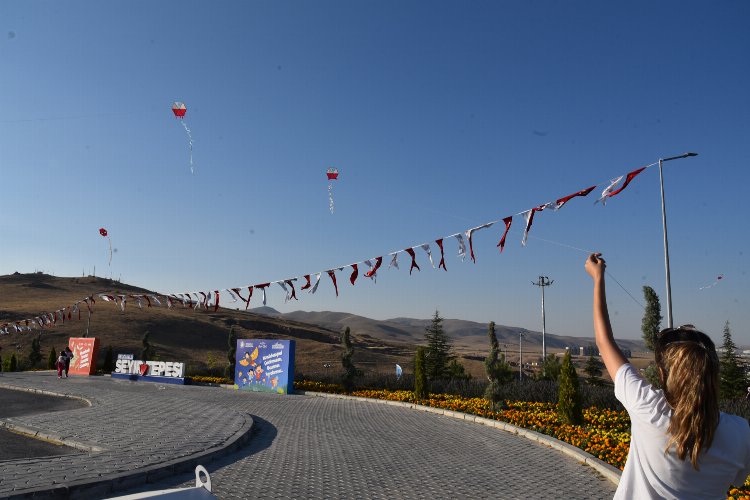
x,y
670,321
520,357
541,283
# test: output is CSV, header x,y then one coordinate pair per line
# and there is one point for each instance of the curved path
x,y
300,447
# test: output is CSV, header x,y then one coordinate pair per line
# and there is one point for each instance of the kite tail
x,y
190,140
110,250
330,197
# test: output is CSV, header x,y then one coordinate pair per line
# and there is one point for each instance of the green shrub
x,y
569,405
51,359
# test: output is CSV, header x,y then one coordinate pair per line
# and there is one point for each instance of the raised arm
x,y
611,354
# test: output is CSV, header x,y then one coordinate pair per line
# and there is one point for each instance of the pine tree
x,y
147,351
51,359
231,354
651,322
550,368
439,350
497,369
350,371
593,369
420,374
35,355
732,377
569,406
109,361
13,365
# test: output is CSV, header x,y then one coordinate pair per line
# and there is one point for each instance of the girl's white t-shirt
x,y
651,473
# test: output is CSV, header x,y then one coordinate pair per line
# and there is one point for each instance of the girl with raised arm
x,y
681,445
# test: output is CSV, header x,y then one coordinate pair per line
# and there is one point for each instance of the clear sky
x,y
440,116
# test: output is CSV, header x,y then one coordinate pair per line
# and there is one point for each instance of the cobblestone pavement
x,y
301,447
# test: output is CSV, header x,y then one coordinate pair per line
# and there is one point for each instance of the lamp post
x,y
541,283
520,357
670,320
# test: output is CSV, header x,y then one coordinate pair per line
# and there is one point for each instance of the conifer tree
x,y
13,365
593,369
51,359
497,369
550,368
231,354
147,351
439,351
732,377
651,322
350,371
35,355
420,374
569,406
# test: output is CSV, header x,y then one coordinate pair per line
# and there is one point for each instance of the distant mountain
x,y
466,335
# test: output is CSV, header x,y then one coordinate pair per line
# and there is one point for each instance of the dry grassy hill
x,y
197,337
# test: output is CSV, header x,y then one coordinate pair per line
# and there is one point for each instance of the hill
x,y
199,336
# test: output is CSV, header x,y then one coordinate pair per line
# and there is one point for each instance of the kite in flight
x,y
104,234
716,282
179,109
332,174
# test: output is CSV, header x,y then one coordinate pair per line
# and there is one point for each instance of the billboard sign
x,y
168,372
85,351
264,365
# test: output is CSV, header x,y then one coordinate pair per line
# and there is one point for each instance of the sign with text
x,y
85,351
265,365
167,372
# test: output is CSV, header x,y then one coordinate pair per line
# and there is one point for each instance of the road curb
x,y
610,472
106,486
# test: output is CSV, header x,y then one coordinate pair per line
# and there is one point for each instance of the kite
x,y
104,234
716,282
332,175
179,109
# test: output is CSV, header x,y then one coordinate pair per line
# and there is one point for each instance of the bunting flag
x,y
332,275
293,293
428,251
307,283
610,190
317,282
354,274
262,287
562,201
529,216
461,245
508,221
470,233
413,256
442,254
372,273
394,260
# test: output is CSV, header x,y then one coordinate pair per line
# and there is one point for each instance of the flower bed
x,y
604,434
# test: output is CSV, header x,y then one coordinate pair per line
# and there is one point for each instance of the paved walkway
x,y
271,446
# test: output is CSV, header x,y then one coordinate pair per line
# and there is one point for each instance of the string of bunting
x,y
208,300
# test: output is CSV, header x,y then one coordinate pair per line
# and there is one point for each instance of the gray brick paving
x,y
301,447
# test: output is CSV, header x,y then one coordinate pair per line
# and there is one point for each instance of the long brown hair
x,y
689,373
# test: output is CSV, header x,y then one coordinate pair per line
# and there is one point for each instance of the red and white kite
x,y
332,175
104,234
179,109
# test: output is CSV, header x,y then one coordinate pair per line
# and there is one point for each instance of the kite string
x,y
190,140
589,253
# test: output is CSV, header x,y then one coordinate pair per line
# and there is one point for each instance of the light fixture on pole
x,y
670,320
520,357
541,283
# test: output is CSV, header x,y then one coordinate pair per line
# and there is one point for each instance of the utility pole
x,y
541,283
520,357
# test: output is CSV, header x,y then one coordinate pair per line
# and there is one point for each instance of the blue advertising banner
x,y
265,365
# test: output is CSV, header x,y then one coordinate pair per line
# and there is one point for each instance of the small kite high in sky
x,y
179,109
104,234
332,175
716,282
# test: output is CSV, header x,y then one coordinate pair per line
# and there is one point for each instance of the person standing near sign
x,y
60,365
68,357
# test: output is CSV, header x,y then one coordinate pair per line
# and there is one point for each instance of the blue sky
x,y
440,116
